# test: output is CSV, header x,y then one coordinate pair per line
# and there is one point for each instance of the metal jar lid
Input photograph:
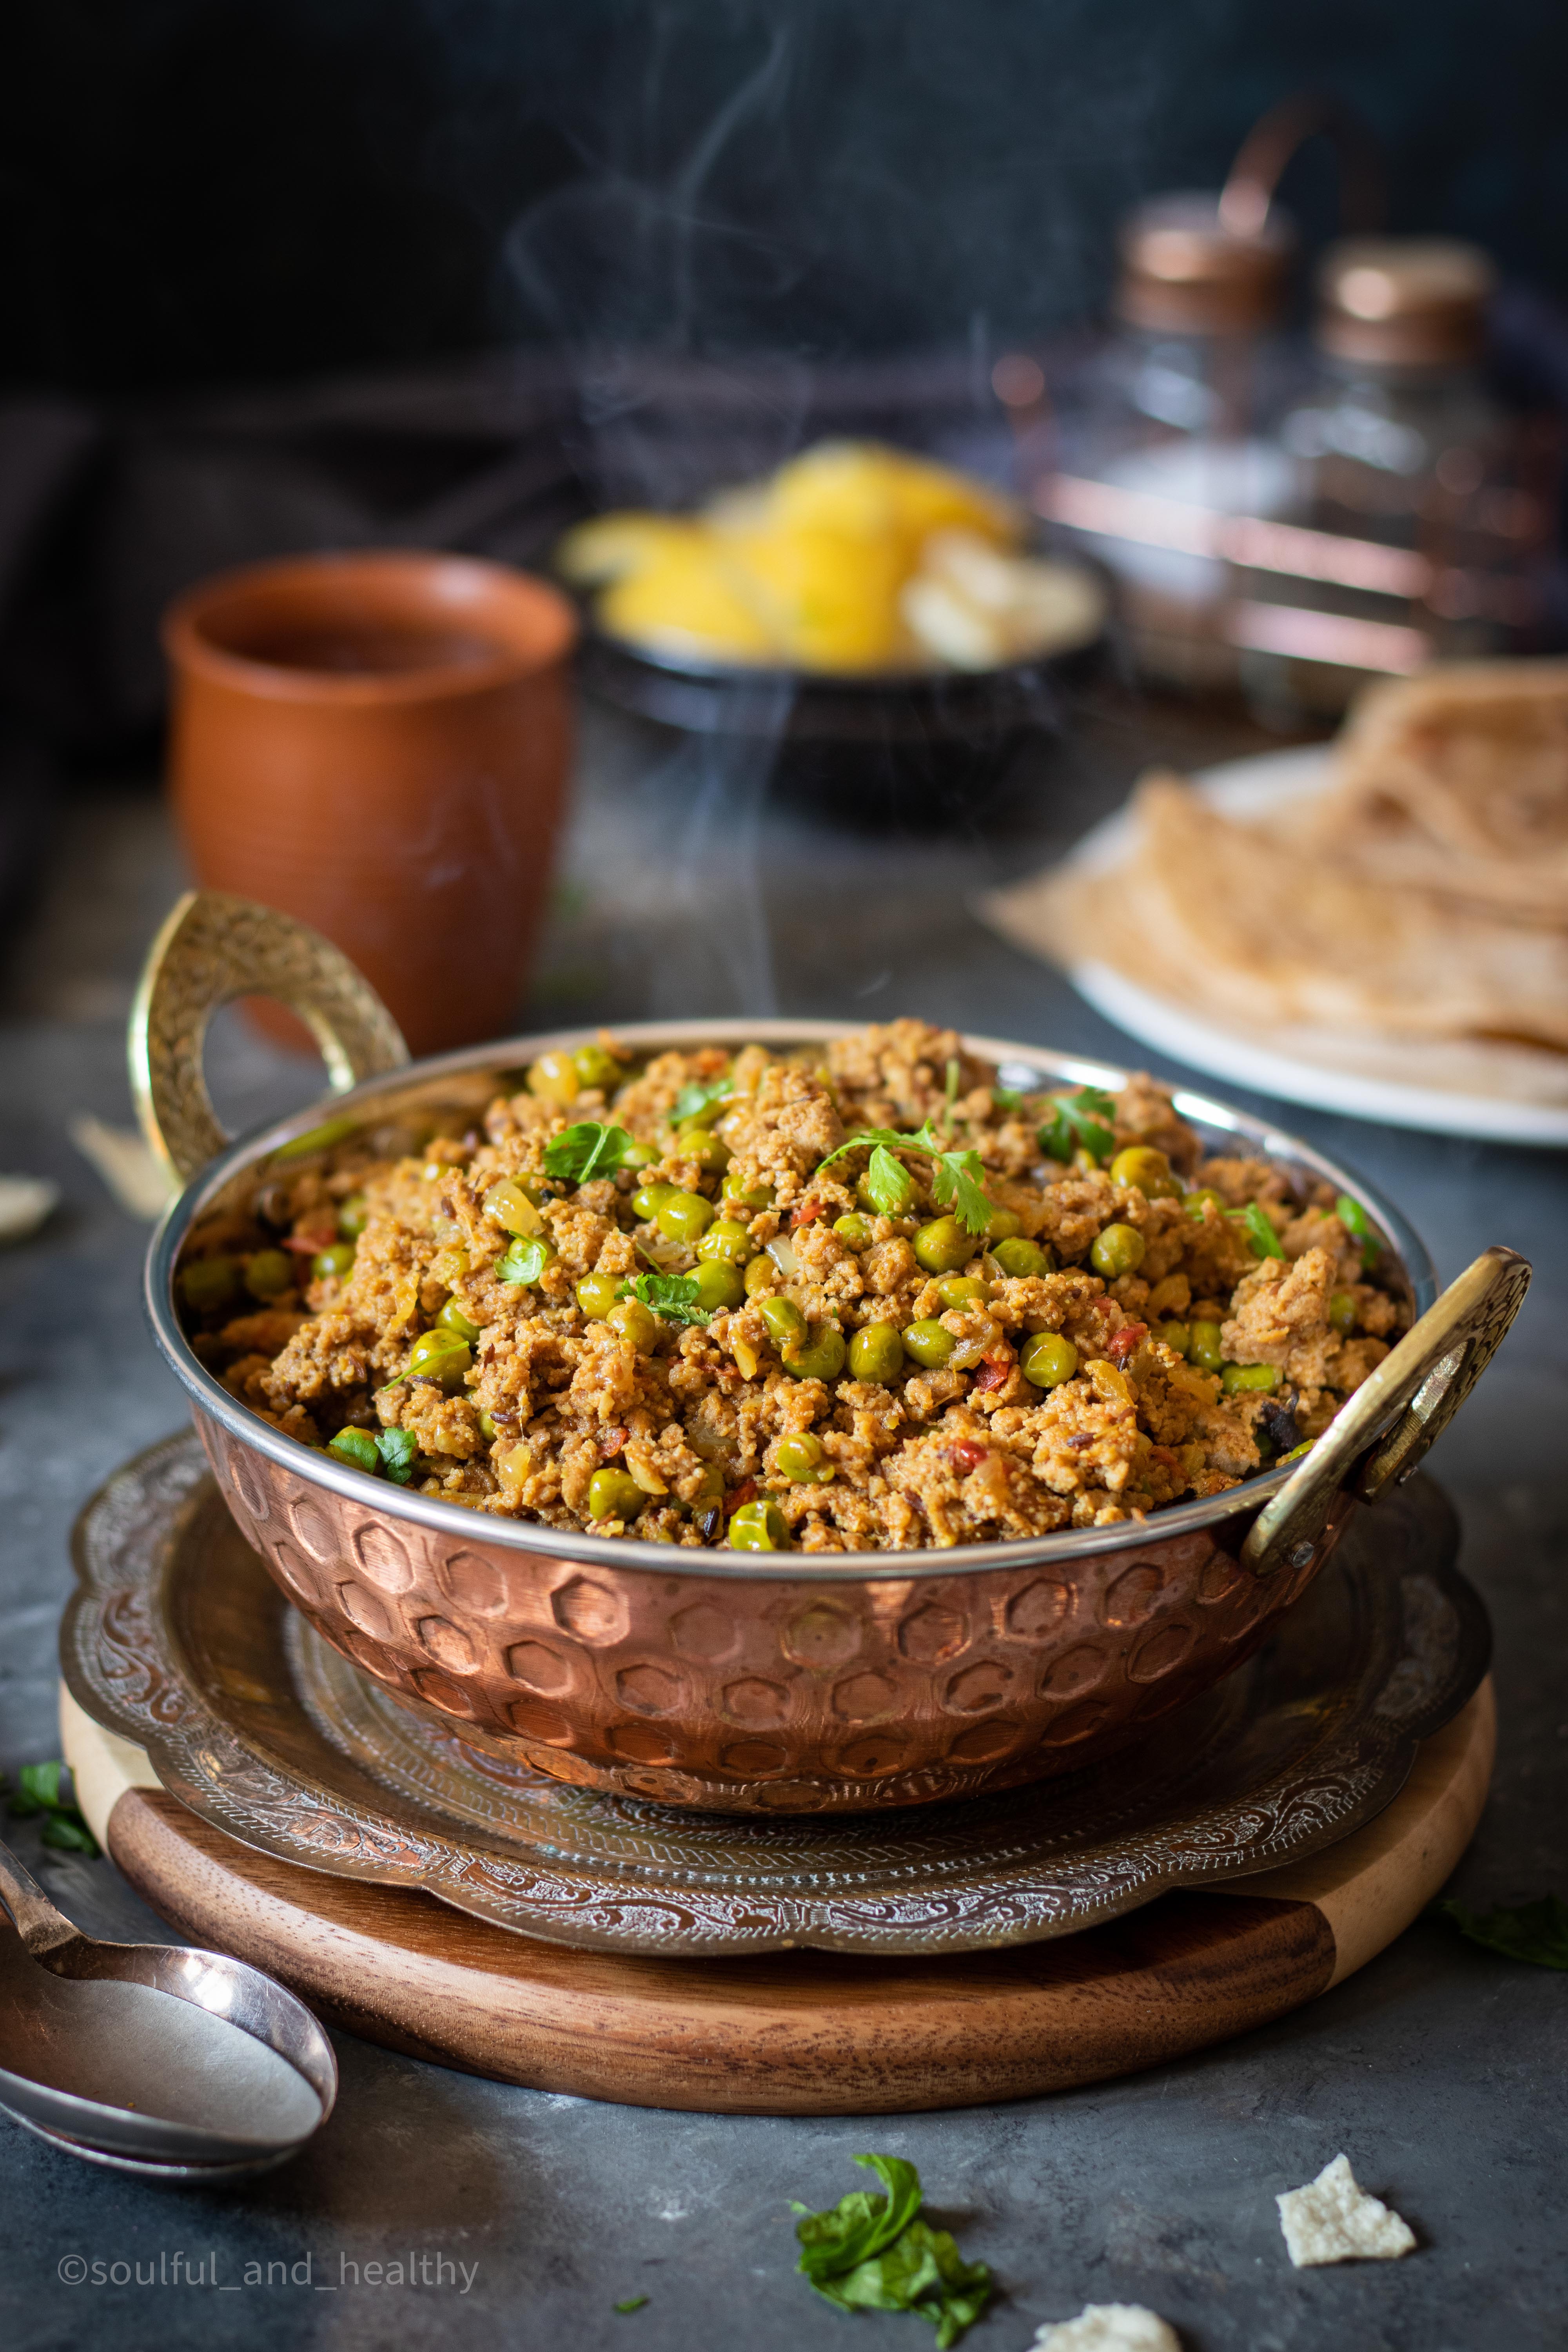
x,y
1185,272
1402,302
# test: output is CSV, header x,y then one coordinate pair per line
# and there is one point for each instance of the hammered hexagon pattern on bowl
x,y
768,1694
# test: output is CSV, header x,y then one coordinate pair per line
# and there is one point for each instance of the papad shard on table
x,y
1109,2327
1333,2221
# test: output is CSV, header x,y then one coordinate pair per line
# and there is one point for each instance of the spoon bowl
x,y
152,2056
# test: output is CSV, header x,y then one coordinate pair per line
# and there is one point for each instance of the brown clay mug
x,y
377,744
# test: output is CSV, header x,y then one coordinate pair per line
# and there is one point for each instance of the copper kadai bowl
x,y
850,1681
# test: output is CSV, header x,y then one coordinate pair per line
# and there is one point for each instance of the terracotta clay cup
x,y
378,745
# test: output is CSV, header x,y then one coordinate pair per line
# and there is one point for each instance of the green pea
x,y
1342,1310
613,1495
1175,1335
650,1199
335,1260
208,1284
819,1357
784,1320
270,1271
638,1155
597,1293
441,1356
553,1078
943,1245
452,1318
637,1323
1195,1201
854,1232
353,1215
1149,1170
684,1216
961,1290
595,1068
727,1241
1205,1346
708,1151
718,1285
1021,1257
759,1526
929,1343
875,1352
751,1196
759,1273
1002,1226
800,1459
525,1259
1048,1360
1238,1380
1118,1250
358,1448
487,1429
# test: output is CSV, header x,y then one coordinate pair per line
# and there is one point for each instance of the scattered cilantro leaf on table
x,y
871,2252
1081,1119
673,1295
39,1791
1537,1932
586,1149
631,2303
956,1176
1259,1229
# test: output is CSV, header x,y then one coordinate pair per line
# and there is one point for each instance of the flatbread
x,y
1455,780
1228,918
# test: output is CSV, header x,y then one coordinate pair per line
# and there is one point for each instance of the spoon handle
x,y
38,1922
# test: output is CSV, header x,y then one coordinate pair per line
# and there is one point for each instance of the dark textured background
x,y
193,191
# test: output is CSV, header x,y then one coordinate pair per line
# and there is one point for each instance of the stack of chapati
x,y
1409,919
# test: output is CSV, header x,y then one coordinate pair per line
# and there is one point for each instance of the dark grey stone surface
x,y
1438,2069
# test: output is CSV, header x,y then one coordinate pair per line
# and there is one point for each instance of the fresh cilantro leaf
x,y
39,1791
888,1138
1006,1099
956,1175
397,1448
586,1150
1537,1932
701,1095
673,1295
861,2223
958,1178
887,1183
631,2303
1354,1219
1259,1229
66,1831
41,1785
1083,1119
875,2254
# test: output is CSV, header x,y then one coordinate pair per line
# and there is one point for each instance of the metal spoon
x,y
149,2057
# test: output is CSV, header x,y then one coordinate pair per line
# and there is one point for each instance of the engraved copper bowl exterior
x,y
852,1680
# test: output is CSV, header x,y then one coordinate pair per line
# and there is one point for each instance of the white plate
x,y
1249,788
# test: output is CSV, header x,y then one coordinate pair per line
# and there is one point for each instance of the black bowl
x,y
921,744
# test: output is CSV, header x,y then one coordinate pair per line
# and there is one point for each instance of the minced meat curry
x,y
853,1298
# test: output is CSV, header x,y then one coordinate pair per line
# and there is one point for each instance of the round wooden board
x,y
797,2033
